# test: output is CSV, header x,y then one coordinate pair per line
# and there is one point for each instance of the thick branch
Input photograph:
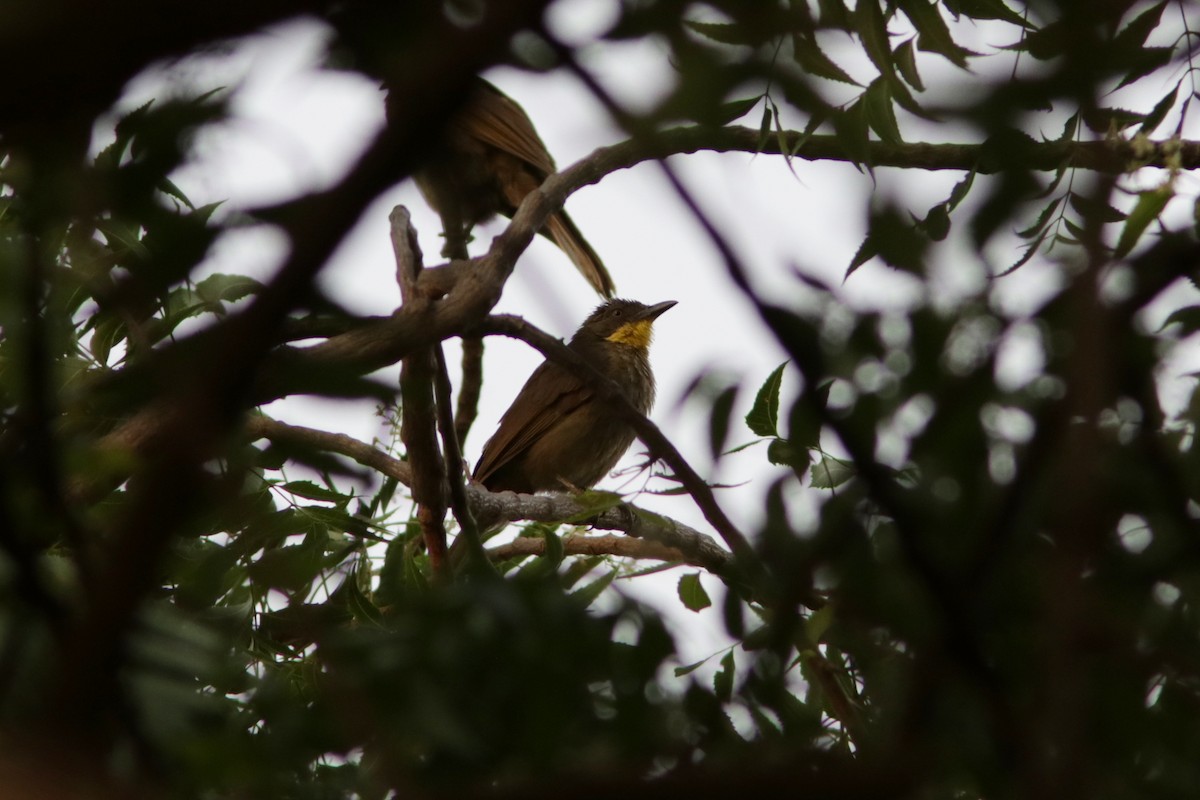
x,y
574,545
697,548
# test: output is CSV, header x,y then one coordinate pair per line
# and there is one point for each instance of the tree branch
x,y
418,423
697,548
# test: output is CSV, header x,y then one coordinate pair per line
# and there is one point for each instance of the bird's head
x,y
626,322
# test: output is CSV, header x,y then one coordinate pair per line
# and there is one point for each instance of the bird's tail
x,y
563,232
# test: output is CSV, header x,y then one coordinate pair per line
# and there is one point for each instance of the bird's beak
x,y
652,313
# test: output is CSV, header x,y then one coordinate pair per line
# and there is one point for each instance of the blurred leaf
x,y
830,472
587,595
723,679
718,429
1147,209
692,593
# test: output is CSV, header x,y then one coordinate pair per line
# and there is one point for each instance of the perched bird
x,y
558,434
491,159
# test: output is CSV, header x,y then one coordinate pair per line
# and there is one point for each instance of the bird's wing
x,y
550,394
496,119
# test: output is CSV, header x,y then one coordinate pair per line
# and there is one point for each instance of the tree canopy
x,y
992,596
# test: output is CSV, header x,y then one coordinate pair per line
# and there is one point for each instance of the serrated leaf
x,y
865,252
586,595
1133,36
692,594
1027,254
987,9
1188,318
312,491
1146,60
723,679
1092,209
764,128
813,60
960,190
1038,228
831,472
851,127
763,418
784,453
1149,205
1159,112
933,34
872,31
734,109
881,113
905,57
723,32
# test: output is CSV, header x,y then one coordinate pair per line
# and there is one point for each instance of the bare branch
x,y
574,545
697,548
418,425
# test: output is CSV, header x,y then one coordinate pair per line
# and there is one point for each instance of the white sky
x,y
296,128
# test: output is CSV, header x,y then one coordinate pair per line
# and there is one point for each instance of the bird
x,y
491,157
559,433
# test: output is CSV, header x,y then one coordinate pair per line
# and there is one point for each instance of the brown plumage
x,y
557,434
492,158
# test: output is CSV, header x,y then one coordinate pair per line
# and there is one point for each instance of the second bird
x,y
558,433
491,158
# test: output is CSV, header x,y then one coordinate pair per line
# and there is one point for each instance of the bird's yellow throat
x,y
634,334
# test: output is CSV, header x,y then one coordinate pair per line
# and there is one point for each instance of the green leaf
x,y
1149,205
593,503
1146,60
818,623
690,668
1159,112
587,595
718,429
725,33
227,288
812,60
312,491
734,109
850,125
906,64
1133,36
934,36
831,473
881,113
763,418
784,453
1091,209
987,9
872,30
692,593
723,679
